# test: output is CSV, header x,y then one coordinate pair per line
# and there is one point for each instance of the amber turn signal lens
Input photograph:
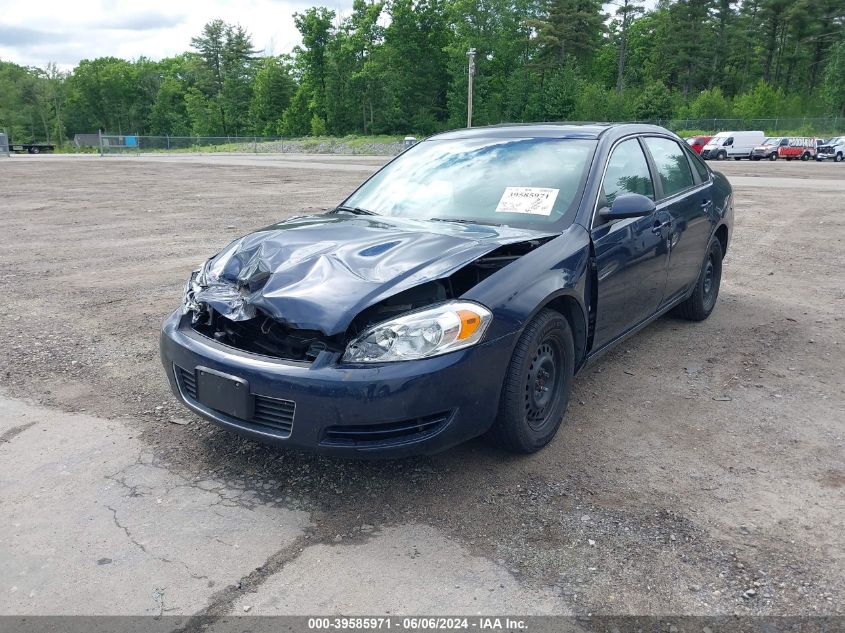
x,y
469,323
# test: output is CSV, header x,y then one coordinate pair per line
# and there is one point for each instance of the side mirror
x,y
629,205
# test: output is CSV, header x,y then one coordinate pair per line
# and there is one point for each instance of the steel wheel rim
x,y
710,282
543,383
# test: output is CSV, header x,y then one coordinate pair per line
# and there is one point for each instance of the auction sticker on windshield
x,y
532,200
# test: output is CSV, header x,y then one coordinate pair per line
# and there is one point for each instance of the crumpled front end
x,y
309,285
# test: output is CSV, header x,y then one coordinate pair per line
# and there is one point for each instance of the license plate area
x,y
225,393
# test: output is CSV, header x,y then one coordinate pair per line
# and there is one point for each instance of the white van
x,y
734,145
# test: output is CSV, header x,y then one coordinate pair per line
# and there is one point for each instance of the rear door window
x,y
672,165
699,166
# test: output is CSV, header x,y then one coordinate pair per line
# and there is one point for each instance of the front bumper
x,y
388,410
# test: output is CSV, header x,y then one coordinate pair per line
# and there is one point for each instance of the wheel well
x,y
571,310
722,236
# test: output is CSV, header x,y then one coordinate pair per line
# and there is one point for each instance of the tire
x,y
805,156
703,299
773,156
537,384
838,158
755,158
722,155
34,150
737,157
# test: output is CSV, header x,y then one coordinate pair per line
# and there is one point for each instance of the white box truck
x,y
736,145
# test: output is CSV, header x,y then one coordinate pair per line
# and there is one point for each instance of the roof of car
x,y
549,130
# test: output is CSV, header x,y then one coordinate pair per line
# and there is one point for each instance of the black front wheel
x,y
703,299
536,389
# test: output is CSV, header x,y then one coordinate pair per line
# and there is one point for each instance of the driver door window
x,y
627,172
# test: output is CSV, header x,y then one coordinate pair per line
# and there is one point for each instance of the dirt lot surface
x,y
700,470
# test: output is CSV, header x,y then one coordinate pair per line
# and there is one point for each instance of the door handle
x,y
659,226
706,203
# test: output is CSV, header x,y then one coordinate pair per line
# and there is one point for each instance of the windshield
x,y
717,140
521,182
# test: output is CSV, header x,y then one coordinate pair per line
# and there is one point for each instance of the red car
x,y
697,142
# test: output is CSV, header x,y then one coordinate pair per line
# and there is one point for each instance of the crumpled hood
x,y
319,272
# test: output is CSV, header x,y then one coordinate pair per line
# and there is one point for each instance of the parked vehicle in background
x,y
798,147
697,143
832,148
30,148
769,148
736,145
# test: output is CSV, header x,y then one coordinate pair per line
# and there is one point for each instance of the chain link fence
x,y
133,144
808,126
123,144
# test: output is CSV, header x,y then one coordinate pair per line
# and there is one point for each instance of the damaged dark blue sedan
x,y
454,294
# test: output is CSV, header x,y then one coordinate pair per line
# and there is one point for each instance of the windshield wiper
x,y
354,210
463,221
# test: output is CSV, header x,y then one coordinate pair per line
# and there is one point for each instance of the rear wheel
x,y
537,385
703,299
737,157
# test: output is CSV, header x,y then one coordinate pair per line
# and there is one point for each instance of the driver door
x,y
632,255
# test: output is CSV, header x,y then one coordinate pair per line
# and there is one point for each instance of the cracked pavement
x,y
94,523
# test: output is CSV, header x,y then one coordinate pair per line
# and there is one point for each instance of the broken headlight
x,y
430,332
193,286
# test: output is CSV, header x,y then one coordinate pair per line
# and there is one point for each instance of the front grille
x,y
274,413
269,412
187,382
411,430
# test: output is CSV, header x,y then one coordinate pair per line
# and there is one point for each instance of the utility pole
x,y
470,75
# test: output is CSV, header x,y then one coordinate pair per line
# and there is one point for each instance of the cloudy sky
x,y
35,32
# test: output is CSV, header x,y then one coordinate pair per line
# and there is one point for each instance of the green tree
x,y
762,101
834,80
709,104
229,66
569,30
654,103
626,12
272,90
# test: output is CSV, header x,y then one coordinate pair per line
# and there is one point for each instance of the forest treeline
x,y
397,66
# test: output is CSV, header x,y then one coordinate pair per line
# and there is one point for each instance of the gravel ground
x,y
700,469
